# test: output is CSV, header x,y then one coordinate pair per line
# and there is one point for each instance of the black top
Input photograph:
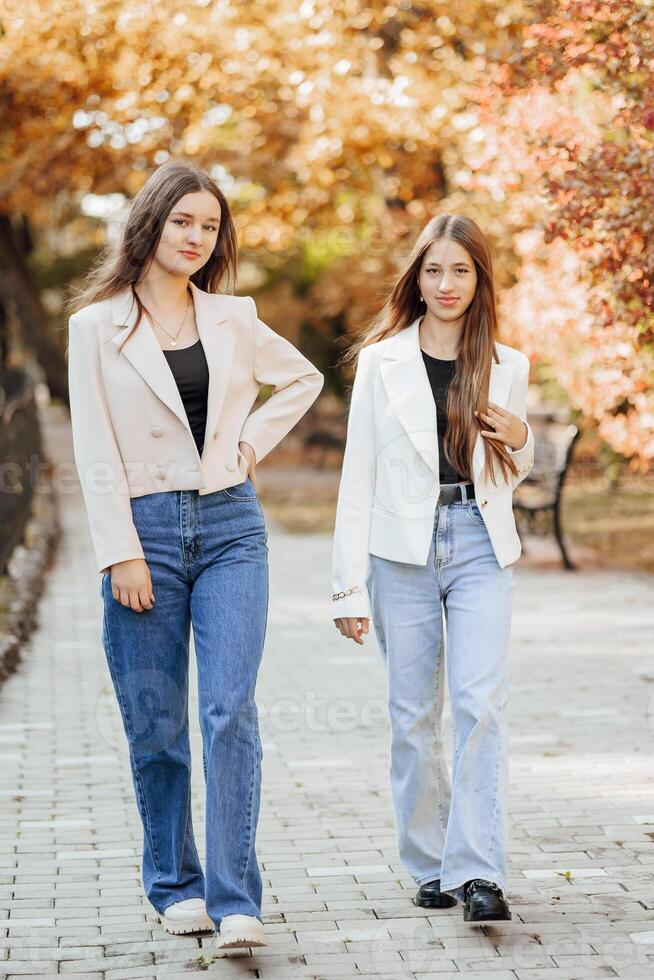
x,y
191,372
440,373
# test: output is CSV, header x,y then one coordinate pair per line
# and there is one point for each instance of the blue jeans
x,y
208,559
453,831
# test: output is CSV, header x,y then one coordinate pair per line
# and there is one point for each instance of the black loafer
x,y
430,896
484,902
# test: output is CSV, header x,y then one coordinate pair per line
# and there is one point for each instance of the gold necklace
x,y
173,337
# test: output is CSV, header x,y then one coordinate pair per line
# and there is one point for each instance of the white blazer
x,y
390,479
131,434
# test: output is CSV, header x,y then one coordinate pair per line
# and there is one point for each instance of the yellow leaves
x,y
353,115
185,93
324,177
635,244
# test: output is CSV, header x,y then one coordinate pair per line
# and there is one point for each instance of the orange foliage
x,y
338,127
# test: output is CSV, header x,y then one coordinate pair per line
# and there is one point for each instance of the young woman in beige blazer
x,y
163,374
437,441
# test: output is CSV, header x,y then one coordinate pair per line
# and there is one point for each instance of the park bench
x,y
538,498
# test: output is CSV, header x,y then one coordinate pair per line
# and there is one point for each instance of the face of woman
x,y
189,234
447,279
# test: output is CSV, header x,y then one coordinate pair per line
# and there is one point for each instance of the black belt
x,y
450,492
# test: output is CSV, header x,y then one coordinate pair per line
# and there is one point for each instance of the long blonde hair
x,y
120,266
469,387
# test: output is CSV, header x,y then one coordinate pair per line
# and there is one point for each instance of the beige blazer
x,y
390,483
131,435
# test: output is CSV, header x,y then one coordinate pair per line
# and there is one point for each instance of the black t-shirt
x,y
191,372
440,374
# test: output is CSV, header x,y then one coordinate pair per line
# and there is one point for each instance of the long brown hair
x,y
469,387
121,266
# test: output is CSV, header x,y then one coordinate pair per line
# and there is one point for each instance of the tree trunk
x,y
18,290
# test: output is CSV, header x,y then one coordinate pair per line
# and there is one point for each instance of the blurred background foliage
x,y
336,129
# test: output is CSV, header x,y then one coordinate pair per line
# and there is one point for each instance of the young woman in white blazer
x,y
437,441
163,373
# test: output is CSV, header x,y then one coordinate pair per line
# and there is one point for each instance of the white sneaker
x,y
240,930
187,916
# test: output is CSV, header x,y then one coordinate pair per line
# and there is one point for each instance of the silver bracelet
x,y
342,595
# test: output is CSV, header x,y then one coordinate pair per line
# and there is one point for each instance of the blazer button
x,y
156,431
230,466
160,473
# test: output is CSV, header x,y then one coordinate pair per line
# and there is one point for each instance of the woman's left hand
x,y
507,427
249,454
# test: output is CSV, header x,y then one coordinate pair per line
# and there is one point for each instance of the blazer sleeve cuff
x,y
524,445
106,560
355,604
524,457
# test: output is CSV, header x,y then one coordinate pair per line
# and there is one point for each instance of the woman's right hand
x,y
131,584
349,627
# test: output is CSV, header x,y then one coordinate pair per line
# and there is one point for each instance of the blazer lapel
x,y
411,398
144,352
409,392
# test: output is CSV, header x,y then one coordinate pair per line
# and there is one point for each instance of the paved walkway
x,y
337,902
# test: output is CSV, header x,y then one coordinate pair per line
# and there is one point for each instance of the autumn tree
x,y
323,121
573,116
338,128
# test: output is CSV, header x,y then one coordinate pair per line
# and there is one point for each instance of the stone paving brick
x,y
129,973
108,965
472,975
7,976
26,968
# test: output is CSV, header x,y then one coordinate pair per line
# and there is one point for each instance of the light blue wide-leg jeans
x,y
208,558
453,830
